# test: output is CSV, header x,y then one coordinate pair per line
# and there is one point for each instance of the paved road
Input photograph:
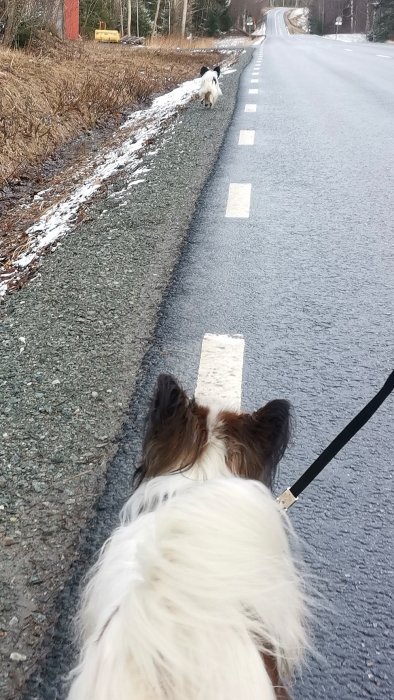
x,y
306,275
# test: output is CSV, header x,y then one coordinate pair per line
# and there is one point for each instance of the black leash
x,y
290,496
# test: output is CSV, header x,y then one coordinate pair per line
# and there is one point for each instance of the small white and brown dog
x,y
209,90
197,595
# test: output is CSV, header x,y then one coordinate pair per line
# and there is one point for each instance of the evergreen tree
x,y
383,27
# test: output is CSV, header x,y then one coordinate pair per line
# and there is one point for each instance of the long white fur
x,y
194,584
210,89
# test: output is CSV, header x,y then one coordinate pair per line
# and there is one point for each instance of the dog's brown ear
x,y
271,426
256,442
203,70
217,70
175,431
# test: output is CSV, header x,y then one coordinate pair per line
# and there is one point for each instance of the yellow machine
x,y
108,35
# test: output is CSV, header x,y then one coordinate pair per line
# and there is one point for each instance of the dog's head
x,y
204,70
179,432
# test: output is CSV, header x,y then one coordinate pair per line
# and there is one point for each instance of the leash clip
x,y
286,499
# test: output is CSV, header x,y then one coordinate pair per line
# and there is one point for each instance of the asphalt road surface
x,y
291,246
303,269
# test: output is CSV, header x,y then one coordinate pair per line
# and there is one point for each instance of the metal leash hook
x,y
290,496
286,499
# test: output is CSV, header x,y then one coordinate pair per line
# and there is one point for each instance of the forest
x,y
19,19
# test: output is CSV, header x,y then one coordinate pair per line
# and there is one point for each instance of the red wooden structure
x,y
71,19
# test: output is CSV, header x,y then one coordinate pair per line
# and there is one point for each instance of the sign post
x,y
338,23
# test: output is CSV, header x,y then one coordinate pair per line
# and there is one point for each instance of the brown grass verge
x,y
48,97
173,42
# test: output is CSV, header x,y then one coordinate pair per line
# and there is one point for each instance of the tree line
x,y
375,18
20,18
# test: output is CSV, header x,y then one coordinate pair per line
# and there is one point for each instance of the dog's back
x,y
186,598
196,596
209,90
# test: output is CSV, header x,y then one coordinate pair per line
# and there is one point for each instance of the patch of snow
x,y
349,38
136,136
145,125
136,182
234,42
117,194
38,197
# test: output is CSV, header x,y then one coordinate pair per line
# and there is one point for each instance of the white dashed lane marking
x,y
250,108
254,80
246,137
220,371
238,200
382,55
253,91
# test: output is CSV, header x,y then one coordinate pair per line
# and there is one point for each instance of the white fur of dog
x,y
199,581
210,89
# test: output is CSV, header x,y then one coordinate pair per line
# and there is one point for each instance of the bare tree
x,y
154,28
184,15
34,14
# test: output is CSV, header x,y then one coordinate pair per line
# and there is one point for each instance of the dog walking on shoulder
x,y
209,90
197,594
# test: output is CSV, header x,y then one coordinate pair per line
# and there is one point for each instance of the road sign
x,y
338,22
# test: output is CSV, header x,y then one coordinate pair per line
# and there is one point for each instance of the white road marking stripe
x,y
254,80
253,91
381,55
250,108
220,372
348,49
246,137
238,200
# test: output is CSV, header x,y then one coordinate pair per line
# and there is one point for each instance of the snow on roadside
x,y
349,38
233,42
144,126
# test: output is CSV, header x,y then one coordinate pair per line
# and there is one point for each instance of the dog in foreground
x,y
197,595
209,90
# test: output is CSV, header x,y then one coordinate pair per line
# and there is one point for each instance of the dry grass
x,y
173,42
50,96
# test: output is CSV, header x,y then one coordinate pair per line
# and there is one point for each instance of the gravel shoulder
x,y
72,342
